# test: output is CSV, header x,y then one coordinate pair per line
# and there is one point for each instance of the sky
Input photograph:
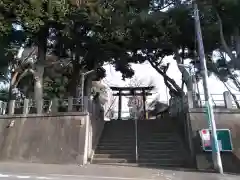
x,y
146,73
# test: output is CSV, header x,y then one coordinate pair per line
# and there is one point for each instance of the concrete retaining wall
x,y
43,139
63,138
225,119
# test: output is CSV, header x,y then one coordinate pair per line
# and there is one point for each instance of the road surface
x,y
16,171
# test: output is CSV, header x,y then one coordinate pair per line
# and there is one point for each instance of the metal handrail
x,y
213,101
219,102
110,107
136,136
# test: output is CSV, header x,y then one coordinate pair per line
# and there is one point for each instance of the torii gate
x,y
132,91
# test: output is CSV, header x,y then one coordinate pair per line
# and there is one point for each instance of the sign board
x,y
134,102
223,136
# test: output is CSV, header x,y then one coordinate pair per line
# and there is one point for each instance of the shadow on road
x,y
230,162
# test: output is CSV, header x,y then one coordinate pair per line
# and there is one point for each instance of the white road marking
x,y
43,178
23,177
4,175
62,176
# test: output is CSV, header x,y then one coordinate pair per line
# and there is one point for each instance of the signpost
x,y
223,136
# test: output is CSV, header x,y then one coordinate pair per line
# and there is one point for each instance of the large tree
x,y
85,36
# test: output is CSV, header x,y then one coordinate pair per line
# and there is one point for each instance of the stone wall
x,y
62,138
225,119
52,138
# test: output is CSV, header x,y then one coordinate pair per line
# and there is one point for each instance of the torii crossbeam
x,y
132,91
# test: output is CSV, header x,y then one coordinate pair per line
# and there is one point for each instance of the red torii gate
x,y
132,91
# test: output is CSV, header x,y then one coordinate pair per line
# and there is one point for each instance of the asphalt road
x,y
194,176
13,171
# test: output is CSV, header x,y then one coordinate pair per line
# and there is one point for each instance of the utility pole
x,y
212,125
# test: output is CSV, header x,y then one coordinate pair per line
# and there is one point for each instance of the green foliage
x,y
120,32
4,94
55,87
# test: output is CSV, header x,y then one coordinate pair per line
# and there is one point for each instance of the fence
x,y
224,100
28,106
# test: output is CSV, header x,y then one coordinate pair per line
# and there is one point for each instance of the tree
x,y
41,21
83,36
180,41
36,18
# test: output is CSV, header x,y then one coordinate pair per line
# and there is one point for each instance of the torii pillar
x,y
120,105
144,103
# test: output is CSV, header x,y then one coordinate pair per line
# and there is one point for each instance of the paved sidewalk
x,y
14,171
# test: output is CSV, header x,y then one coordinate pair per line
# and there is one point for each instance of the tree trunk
x,y
88,85
74,83
38,86
185,74
10,95
233,62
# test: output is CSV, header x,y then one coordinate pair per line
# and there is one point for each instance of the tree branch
x,y
14,78
185,74
170,83
237,39
222,38
20,78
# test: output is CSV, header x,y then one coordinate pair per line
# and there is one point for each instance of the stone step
x,y
141,155
141,133
159,144
122,143
162,142
112,160
162,155
140,137
157,162
119,139
117,135
164,134
116,143
141,147
118,164
164,165
114,151
158,139
127,151
129,147
161,160
127,155
158,151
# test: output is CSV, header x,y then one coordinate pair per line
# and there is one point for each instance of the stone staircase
x,y
117,144
159,144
